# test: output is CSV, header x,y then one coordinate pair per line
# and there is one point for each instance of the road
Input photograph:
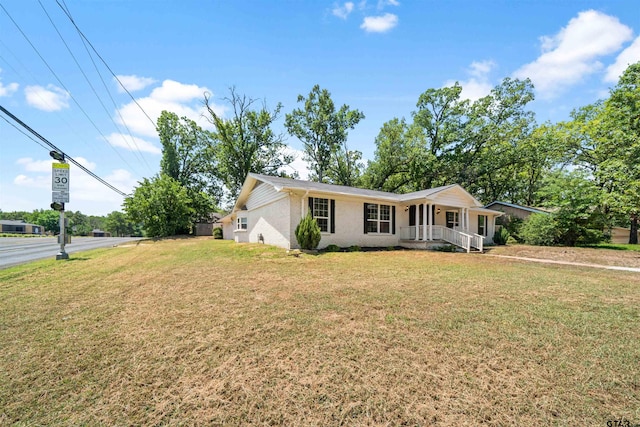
x,y
19,250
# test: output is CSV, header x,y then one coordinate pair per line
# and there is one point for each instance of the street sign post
x,y
60,196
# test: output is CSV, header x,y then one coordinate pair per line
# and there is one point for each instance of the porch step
x,y
430,245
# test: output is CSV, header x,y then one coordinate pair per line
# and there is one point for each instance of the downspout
x,y
302,204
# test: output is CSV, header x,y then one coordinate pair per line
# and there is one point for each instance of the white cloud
x,y
343,11
84,188
379,24
39,181
132,143
298,165
8,90
133,83
383,3
84,162
31,165
51,98
181,99
478,85
572,53
629,56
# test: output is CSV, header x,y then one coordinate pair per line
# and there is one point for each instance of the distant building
x,y
513,210
100,233
621,235
20,227
205,228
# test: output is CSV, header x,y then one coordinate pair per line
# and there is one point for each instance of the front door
x,y
453,219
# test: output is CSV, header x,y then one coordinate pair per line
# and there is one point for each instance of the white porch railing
x,y
438,232
457,238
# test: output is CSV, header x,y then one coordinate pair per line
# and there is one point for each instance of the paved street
x,y
17,250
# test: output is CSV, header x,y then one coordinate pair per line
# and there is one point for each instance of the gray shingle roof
x,y
296,184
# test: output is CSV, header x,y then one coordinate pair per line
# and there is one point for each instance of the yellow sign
x,y
60,165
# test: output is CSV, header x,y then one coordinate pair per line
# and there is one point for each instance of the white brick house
x,y
269,208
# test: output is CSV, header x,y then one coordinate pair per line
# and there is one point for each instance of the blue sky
x,y
376,56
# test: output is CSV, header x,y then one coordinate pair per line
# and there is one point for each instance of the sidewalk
x,y
578,264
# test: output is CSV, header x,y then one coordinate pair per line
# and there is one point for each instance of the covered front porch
x,y
431,224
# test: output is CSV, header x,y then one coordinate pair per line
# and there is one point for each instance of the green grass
x,y
616,246
21,235
205,332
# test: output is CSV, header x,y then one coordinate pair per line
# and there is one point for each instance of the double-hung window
x,y
324,212
321,213
482,225
378,218
241,223
453,219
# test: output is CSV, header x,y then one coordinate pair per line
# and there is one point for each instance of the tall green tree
x,y
494,142
323,131
161,205
245,142
49,219
188,158
118,224
622,110
606,141
439,123
186,153
398,160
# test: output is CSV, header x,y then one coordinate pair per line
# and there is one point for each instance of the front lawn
x,y
208,332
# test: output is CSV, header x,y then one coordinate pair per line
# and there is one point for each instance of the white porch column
x,y
417,215
466,221
429,220
424,222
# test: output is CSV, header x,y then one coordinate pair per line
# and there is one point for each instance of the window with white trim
x,y
241,223
321,213
453,219
482,225
378,218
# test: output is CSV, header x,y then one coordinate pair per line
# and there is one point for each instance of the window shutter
x,y
366,205
311,206
393,220
332,216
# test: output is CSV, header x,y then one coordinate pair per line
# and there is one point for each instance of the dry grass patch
x,y
613,257
202,332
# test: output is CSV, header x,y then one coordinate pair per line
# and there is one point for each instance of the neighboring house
x,y
205,228
269,209
513,210
20,227
100,233
621,235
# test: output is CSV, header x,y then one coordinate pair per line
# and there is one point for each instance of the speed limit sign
x,y
60,181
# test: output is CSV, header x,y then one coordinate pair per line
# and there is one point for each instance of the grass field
x,y
206,332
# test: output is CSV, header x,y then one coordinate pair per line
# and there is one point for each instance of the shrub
x,y
445,248
501,236
354,248
332,248
217,233
539,229
308,233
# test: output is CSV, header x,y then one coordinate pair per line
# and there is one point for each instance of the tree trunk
x,y
633,234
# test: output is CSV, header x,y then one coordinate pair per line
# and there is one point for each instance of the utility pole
x,y
60,196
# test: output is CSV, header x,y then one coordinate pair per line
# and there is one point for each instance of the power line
x,y
23,132
104,62
63,85
136,150
72,160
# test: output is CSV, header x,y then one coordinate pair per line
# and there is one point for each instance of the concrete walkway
x,y
579,264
